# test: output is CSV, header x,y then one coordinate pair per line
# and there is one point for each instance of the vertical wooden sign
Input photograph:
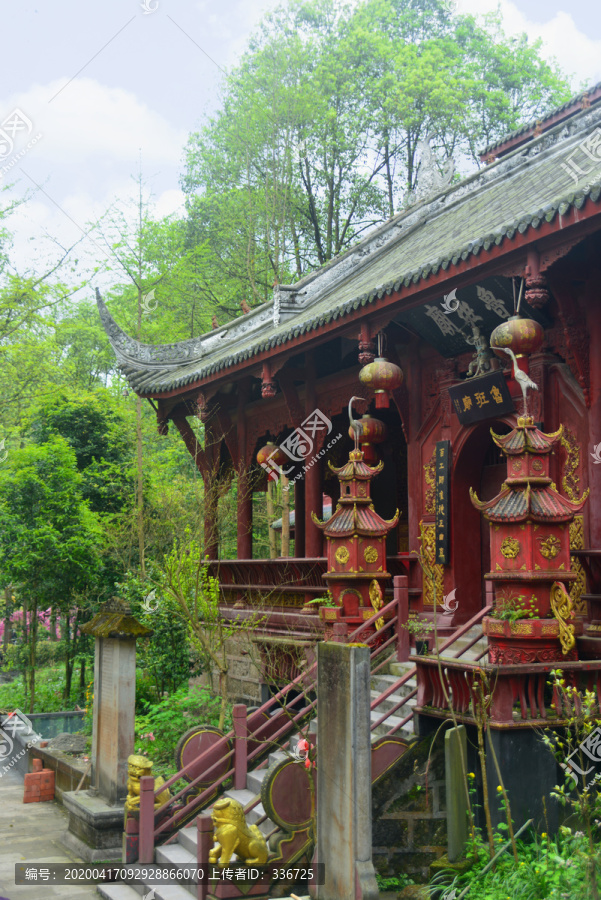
x,y
443,465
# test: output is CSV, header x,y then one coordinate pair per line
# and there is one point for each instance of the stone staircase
x,y
183,850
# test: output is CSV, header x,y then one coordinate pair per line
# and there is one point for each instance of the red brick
x,y
37,765
31,779
46,795
47,780
31,795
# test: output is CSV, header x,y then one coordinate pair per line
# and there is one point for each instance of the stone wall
x,y
409,812
244,679
246,675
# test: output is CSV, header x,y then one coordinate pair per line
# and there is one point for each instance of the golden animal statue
x,y
137,766
233,835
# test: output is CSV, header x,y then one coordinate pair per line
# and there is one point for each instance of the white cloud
x,y
577,53
90,120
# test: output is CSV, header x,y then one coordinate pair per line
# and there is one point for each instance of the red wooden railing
x,y
238,577
523,684
284,716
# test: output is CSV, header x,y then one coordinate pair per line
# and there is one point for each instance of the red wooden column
x,y
594,416
313,477
299,518
211,531
314,503
244,534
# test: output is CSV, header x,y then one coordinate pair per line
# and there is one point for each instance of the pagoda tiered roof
x,y
540,504
355,512
527,438
532,497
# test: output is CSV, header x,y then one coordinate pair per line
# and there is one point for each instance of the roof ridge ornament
x,y
429,179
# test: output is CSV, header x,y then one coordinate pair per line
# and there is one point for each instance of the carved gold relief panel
x,y
578,587
428,541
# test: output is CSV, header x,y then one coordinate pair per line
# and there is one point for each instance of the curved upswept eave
x,y
134,356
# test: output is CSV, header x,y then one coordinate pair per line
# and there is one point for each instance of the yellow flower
x,y
544,834
470,775
499,789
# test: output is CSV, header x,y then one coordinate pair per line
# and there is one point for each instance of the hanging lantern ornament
x,y
382,377
517,334
371,431
271,458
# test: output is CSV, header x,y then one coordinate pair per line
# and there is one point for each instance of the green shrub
x,y
158,732
50,684
547,869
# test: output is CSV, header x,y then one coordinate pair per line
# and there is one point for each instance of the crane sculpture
x,y
355,426
522,379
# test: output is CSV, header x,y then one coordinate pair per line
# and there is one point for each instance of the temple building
x,y
404,320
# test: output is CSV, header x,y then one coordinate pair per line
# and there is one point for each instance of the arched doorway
x,y
480,465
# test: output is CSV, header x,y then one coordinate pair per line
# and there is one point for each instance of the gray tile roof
x,y
519,193
573,105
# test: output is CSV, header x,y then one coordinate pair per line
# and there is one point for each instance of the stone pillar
x,y
455,752
344,842
114,712
96,815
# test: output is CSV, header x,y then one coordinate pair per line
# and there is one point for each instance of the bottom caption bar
x,y
66,873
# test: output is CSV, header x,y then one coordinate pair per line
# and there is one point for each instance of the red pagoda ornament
x,y
530,553
356,542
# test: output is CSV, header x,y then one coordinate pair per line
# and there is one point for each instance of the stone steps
x,y
183,851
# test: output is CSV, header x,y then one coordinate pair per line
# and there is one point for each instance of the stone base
x,y
95,828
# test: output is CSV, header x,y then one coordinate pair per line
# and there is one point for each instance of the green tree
x,y
49,541
317,138
98,434
196,596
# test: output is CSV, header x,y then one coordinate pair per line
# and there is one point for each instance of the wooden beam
x,y
192,445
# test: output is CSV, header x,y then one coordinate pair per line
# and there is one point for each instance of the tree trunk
x,y
82,675
7,623
273,552
33,634
140,487
68,656
285,516
223,694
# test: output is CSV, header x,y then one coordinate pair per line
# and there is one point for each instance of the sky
x,y
93,93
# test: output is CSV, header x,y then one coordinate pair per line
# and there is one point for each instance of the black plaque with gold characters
x,y
485,397
443,459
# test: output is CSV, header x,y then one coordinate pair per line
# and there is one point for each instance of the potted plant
x,y
420,629
518,634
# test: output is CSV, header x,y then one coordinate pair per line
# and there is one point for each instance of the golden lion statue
x,y
137,766
233,835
